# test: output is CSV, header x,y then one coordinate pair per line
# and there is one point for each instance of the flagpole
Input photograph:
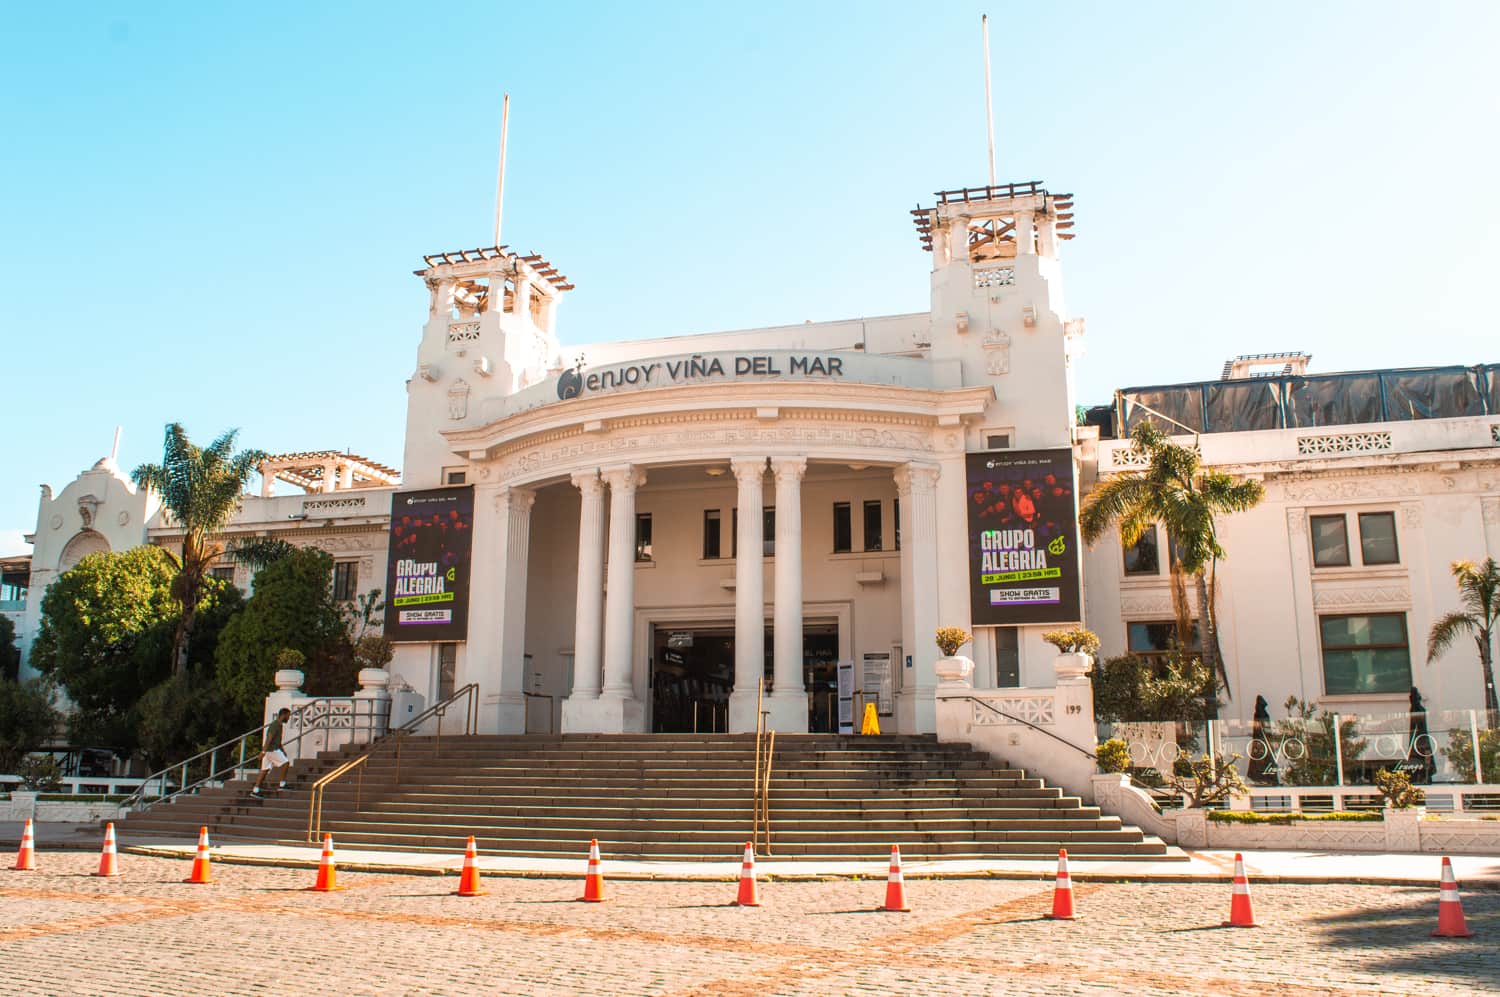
x,y
989,107
500,177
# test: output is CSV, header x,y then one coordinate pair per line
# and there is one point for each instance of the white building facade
x,y
668,527
665,531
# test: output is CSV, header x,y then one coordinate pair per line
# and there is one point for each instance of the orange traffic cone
x,y
1240,914
593,884
327,872
1451,922
26,857
468,880
201,871
749,896
895,886
108,863
1062,894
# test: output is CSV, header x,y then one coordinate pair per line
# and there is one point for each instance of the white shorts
x,y
273,758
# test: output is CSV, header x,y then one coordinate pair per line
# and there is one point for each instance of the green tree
x,y
1479,591
201,489
27,719
186,714
99,623
292,607
1130,689
106,636
1177,492
10,654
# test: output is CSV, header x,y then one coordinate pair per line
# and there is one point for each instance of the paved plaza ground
x,y
257,932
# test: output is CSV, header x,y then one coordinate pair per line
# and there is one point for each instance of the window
x,y
997,441
768,534
896,518
711,534
455,477
1365,653
223,574
447,670
1330,540
345,580
872,526
1007,657
1142,559
734,533
1154,639
643,536
843,528
1377,538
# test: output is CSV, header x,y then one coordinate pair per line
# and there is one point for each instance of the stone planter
x,y
1072,667
1403,829
955,671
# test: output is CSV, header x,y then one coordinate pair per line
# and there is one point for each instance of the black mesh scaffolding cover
x,y
1183,404
1492,374
1431,394
1238,406
1336,400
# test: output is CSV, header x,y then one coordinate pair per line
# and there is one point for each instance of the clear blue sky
x,y
210,212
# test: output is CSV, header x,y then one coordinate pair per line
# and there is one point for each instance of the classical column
x,y
588,638
749,594
788,703
521,303
1025,233
916,484
617,709
516,506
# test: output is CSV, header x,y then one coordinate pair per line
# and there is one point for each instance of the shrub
x,y
1317,765
1206,779
950,639
1250,817
1397,791
1460,754
40,773
1074,641
1113,756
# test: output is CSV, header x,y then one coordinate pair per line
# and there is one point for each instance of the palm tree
x,y
1479,591
1175,491
201,489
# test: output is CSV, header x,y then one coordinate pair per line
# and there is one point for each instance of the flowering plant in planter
x,y
1075,641
950,639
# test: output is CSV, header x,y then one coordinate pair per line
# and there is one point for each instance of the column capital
x,y
588,482
748,469
789,468
514,500
915,476
623,477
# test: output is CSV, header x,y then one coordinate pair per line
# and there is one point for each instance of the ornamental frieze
x,y
582,449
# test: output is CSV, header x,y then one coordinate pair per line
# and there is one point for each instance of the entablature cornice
x,y
728,404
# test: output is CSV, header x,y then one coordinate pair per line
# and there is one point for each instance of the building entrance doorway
x,y
692,675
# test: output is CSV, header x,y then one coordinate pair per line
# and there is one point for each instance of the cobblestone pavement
x,y
256,931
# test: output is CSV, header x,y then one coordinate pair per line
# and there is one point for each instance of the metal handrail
x,y
1134,781
237,750
760,783
395,737
1028,723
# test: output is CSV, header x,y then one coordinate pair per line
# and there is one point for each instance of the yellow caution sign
x,y
871,723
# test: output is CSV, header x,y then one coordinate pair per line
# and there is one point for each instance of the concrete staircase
x,y
668,797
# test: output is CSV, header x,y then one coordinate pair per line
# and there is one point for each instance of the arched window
x,y
85,543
